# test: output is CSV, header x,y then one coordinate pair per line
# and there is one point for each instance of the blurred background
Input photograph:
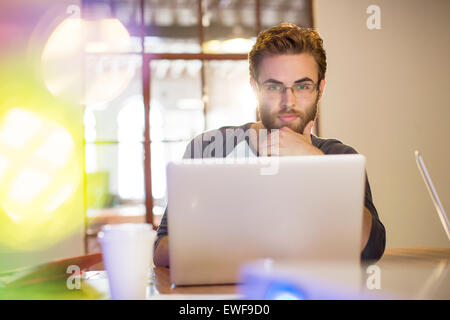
x,y
96,96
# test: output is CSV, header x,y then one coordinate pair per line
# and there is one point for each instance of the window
x,y
130,126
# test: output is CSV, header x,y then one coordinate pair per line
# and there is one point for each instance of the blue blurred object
x,y
284,291
266,280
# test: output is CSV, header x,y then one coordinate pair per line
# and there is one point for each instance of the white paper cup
x,y
127,254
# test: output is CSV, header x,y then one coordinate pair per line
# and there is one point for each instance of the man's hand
x,y
289,143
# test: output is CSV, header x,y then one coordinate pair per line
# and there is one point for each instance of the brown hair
x,y
287,38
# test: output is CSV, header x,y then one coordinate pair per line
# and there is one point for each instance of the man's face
x,y
287,109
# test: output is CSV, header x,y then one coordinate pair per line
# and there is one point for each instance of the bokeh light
x,y
235,45
72,68
39,174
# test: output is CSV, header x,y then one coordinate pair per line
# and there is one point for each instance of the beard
x,y
270,119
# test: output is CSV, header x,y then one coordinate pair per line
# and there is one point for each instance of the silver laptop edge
x,y
433,194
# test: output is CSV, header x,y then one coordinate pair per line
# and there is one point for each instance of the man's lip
x,y
288,117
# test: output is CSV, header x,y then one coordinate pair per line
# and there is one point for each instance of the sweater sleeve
x,y
377,240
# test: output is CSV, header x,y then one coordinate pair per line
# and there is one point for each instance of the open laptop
x,y
433,194
223,213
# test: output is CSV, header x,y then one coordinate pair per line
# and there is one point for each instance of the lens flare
x,y
74,70
39,173
19,128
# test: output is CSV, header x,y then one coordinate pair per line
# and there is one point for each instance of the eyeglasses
x,y
300,90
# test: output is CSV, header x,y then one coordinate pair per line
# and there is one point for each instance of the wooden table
x,y
415,272
163,286
416,255
411,273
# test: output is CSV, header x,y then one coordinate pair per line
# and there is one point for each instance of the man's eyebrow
x,y
304,79
272,81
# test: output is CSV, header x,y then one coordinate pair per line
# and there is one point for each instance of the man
x,y
287,74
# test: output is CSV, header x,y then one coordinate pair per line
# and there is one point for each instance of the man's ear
x,y
255,92
321,87
253,85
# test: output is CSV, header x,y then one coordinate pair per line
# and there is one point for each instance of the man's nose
x,y
288,98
